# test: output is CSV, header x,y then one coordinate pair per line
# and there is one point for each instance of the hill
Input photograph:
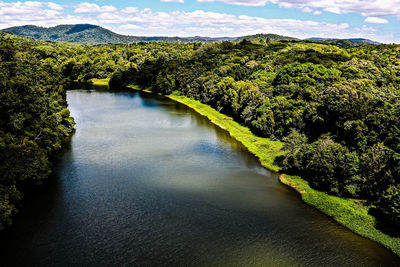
x,y
93,34
350,42
267,37
80,33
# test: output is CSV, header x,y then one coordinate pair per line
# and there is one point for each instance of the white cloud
x,y
146,22
37,13
86,7
240,2
376,20
177,1
199,22
130,10
129,27
54,6
373,8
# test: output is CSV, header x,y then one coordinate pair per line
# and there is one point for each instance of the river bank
x,y
350,213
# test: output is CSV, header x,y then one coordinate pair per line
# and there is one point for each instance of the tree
x,y
389,204
376,171
332,167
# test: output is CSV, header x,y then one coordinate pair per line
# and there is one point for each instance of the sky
x,y
377,20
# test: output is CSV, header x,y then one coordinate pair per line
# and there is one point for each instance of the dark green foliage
x,y
295,144
123,77
305,75
34,121
331,167
390,203
375,165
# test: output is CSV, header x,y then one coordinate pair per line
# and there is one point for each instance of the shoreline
x,y
349,213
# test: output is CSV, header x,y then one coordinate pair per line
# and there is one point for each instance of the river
x,y
146,181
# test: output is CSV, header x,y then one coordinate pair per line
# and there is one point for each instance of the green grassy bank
x,y
99,82
350,213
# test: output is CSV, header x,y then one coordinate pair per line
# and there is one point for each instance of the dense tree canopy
x,y
337,109
34,120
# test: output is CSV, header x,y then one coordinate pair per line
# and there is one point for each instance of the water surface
x,y
147,182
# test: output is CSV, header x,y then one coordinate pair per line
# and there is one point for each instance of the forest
x,y
335,108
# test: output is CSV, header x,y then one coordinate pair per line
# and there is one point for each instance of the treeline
x,y
34,120
337,110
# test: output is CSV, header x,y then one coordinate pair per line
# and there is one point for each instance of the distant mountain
x,y
92,34
80,33
343,42
364,41
267,37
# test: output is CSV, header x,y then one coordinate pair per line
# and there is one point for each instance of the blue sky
x,y
376,19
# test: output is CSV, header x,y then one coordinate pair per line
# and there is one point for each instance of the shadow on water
x,y
383,224
88,86
39,202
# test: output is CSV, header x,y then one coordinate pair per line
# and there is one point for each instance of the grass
x,y
348,212
99,82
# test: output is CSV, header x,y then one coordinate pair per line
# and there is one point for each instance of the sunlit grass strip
x,y
348,212
99,82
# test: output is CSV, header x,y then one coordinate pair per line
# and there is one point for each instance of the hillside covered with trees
x,y
93,34
336,109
